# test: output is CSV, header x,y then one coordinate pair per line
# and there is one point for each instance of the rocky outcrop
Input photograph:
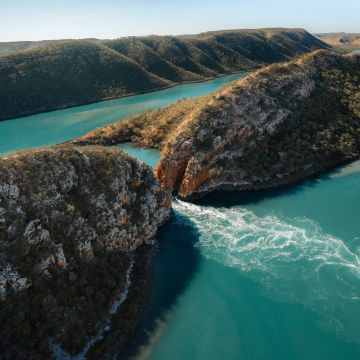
x,y
276,126
70,218
11,279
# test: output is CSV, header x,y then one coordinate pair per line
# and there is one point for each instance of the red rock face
x,y
191,182
170,172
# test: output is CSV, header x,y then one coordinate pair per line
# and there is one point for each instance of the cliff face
x,y
70,222
275,126
58,74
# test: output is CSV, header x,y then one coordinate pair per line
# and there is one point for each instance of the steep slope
x,y
136,50
66,73
267,45
273,127
72,221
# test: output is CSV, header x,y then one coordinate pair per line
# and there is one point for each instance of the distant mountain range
x,y
343,40
50,75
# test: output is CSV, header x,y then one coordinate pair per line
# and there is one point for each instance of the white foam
x,y
293,259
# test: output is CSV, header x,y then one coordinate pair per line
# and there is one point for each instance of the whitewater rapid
x,y
293,260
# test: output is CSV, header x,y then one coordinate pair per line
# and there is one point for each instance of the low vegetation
x,y
151,129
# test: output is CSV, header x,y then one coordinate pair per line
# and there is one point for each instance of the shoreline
x,y
28,114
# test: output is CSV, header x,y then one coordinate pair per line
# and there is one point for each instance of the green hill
x,y
67,74
61,74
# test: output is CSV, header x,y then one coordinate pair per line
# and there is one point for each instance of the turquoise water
x,y
62,125
267,275
149,156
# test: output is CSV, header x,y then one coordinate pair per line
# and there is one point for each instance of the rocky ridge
x,y
276,126
70,218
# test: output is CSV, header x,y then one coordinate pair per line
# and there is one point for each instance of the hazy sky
x,y
55,19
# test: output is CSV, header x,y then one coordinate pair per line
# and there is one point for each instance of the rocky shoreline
x,y
76,219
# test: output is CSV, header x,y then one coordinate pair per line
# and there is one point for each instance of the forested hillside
x,y
74,72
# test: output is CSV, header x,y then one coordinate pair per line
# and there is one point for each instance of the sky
x,y
60,19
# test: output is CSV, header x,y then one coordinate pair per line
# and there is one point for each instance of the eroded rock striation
x,y
71,221
276,126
